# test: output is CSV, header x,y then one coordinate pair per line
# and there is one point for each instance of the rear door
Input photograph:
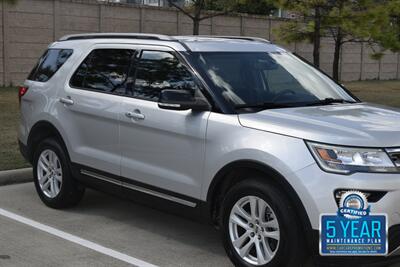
x,y
92,102
162,148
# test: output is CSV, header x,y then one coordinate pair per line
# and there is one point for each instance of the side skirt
x,y
142,193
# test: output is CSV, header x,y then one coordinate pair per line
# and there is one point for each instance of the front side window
x,y
159,70
105,70
258,79
49,64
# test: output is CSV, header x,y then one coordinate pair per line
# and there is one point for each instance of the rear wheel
x,y
259,227
53,180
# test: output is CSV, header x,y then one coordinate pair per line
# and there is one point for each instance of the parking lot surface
x,y
152,236
98,231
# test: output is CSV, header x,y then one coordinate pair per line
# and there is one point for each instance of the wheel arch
x,y
40,131
230,174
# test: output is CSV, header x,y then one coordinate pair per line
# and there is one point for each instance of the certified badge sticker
x,y
353,230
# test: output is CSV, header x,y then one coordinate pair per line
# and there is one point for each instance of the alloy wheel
x,y
49,173
254,230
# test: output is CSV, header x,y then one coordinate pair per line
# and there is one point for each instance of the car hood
x,y
360,124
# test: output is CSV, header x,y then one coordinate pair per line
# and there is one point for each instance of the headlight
x,y
349,160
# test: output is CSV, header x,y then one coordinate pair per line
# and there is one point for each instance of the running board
x,y
139,189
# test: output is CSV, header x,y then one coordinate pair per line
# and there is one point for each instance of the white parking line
x,y
76,239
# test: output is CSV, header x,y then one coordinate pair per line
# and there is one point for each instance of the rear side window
x,y
104,70
49,64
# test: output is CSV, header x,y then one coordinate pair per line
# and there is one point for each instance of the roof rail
x,y
246,38
116,35
249,38
146,36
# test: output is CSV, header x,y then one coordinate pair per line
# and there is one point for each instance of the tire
x,y
283,240
53,181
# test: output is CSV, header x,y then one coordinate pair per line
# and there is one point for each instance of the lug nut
x,y
259,237
252,234
251,225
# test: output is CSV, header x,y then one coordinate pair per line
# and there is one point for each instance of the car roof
x,y
178,43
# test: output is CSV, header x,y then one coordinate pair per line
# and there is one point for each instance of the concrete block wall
x,y
371,67
326,57
351,62
30,25
28,28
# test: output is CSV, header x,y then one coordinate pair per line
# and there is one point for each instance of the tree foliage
x,y
387,31
13,2
309,25
194,9
344,21
256,7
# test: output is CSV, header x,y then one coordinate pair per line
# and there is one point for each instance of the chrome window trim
x,y
393,150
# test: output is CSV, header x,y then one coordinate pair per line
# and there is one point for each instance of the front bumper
x,y
394,240
316,190
356,261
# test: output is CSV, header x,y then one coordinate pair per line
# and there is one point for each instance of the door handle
x,y
136,115
67,101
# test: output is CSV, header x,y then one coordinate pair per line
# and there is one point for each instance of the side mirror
x,y
181,100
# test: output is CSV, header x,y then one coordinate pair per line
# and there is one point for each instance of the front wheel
x,y
53,179
259,227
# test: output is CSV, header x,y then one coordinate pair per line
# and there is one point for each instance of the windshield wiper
x,y
272,105
328,101
266,105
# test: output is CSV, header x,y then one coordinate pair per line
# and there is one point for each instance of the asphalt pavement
x,y
137,231
101,231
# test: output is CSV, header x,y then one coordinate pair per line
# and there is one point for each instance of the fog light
x,y
372,196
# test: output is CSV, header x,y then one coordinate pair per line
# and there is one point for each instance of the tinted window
x,y
279,81
104,70
49,64
79,75
160,70
255,78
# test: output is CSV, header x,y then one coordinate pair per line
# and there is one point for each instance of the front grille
x,y
396,159
395,155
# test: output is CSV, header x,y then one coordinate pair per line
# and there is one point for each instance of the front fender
x,y
227,141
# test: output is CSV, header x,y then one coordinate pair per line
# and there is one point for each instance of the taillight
x,y
21,92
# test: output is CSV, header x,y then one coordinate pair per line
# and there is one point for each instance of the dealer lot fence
x,y
30,25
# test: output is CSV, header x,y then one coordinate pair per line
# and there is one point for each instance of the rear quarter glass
x,y
49,64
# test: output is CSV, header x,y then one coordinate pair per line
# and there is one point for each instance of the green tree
x,y
309,27
13,2
350,21
194,9
256,7
388,36
343,20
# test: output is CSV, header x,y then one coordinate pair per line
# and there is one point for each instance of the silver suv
x,y
232,129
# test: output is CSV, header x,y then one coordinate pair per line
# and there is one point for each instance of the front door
x,y
162,148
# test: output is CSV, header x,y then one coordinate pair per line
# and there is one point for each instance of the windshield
x,y
258,79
